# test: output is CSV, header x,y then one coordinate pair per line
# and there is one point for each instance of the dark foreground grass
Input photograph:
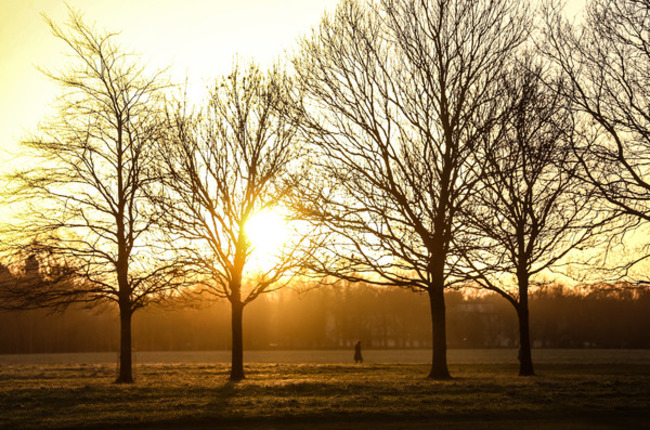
x,y
325,396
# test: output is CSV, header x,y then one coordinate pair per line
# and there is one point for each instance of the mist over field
x,y
572,357
333,318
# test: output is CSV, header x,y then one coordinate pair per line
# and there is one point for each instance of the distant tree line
x,y
335,318
426,145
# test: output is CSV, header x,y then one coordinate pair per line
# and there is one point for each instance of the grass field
x,y
598,393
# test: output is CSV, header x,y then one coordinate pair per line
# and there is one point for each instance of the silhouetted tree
x,y
84,202
399,95
221,167
606,61
530,209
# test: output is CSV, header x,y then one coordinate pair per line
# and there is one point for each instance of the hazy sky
x,y
198,38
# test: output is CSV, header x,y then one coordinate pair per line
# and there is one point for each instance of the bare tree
x,y
606,61
235,159
83,203
399,96
530,210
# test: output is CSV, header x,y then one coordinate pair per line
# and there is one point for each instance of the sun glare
x,y
267,231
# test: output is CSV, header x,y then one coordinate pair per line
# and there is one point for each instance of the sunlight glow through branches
x,y
268,232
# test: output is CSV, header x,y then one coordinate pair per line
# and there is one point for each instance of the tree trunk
x,y
525,356
439,360
125,370
125,373
237,368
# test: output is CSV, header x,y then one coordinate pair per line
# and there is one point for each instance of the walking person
x,y
357,353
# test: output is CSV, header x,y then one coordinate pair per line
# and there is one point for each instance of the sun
x,y
267,231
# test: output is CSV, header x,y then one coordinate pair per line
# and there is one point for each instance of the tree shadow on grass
x,y
222,398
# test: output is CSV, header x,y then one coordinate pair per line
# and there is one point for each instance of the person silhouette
x,y
357,353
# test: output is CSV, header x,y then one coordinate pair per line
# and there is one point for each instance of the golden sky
x,y
198,38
